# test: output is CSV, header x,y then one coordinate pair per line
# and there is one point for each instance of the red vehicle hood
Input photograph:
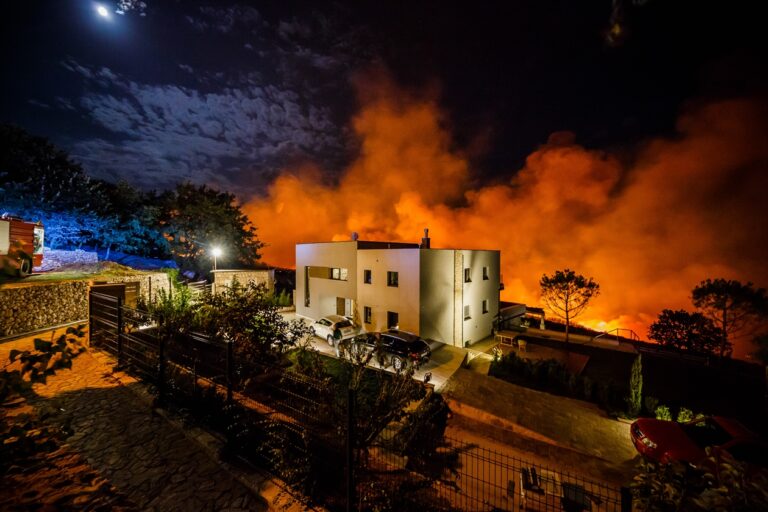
x,y
671,439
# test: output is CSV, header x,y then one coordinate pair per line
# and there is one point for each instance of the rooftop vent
x,y
425,240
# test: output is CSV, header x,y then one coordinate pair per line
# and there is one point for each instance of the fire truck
x,y
21,242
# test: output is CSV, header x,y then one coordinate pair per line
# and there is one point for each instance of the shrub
x,y
663,413
684,415
589,388
635,398
651,403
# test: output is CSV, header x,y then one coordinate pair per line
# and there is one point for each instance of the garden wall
x,y
223,278
149,284
28,308
53,259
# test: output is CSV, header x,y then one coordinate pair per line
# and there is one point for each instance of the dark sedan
x,y
398,347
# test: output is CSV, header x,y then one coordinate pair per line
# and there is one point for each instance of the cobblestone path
x,y
144,456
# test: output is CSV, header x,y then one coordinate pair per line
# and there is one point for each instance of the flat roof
x,y
370,244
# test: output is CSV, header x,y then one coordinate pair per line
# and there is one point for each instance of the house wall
x,y
480,324
437,295
403,299
323,292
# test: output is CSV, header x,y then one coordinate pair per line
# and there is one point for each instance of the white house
x,y
447,295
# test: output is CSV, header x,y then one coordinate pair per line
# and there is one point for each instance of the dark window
x,y
392,278
367,314
393,319
467,314
467,278
485,273
485,306
367,276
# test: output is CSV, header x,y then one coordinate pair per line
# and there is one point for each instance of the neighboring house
x,y
447,295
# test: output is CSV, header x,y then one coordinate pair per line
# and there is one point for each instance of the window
x,y
367,276
391,278
339,274
467,314
393,319
485,273
485,306
467,278
367,314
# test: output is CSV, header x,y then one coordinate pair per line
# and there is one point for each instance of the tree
x,y
761,354
195,219
36,174
731,305
635,399
567,294
691,332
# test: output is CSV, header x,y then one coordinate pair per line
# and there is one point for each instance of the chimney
x,y
354,236
425,240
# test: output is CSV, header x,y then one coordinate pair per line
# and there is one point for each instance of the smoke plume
x,y
686,208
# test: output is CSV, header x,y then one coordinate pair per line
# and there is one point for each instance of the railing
x,y
295,427
617,333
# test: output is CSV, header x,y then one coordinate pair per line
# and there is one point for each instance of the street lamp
x,y
216,251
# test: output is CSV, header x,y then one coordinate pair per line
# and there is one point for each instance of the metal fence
x,y
303,430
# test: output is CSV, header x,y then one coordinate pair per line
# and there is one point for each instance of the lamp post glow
x,y
216,251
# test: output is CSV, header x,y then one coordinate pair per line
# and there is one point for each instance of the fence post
x,y
119,331
230,369
161,372
626,499
350,450
90,317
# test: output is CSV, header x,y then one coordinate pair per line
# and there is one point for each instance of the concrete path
x,y
141,454
563,422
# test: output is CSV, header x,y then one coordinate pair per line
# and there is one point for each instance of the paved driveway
x,y
442,365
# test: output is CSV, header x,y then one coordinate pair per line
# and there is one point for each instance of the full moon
x,y
102,11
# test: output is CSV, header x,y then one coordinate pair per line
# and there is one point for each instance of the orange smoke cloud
x,y
689,207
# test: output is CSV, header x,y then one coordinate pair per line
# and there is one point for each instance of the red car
x,y
667,441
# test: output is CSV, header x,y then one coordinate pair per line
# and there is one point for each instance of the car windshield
x,y
343,323
706,433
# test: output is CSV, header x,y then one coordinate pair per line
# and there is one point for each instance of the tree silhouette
x,y
731,305
682,330
567,294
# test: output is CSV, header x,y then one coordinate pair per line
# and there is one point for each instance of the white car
x,y
325,327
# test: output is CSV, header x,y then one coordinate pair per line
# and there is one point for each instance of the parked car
x,y
667,441
400,347
326,326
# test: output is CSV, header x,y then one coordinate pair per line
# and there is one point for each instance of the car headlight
x,y
647,442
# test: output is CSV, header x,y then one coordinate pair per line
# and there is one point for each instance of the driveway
x,y
442,365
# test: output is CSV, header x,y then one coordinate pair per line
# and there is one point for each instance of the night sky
x,y
638,159
231,94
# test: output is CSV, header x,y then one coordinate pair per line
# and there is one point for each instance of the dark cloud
x,y
159,134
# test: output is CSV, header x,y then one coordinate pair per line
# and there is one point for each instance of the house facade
x,y
447,295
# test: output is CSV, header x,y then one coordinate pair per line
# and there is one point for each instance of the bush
x,y
588,387
684,415
663,413
651,403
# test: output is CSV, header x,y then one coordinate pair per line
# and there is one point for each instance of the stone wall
x,y
53,259
150,284
28,308
224,278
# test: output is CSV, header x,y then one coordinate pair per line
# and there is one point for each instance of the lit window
x,y
367,276
485,273
339,274
467,314
467,278
367,314
485,306
392,278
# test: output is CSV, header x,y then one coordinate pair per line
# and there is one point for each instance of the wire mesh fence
x,y
303,430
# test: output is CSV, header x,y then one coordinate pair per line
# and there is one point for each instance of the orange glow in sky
x,y
686,208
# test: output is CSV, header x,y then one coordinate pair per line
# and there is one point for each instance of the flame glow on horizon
x,y
687,208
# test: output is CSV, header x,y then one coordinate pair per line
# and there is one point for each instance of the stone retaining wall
x,y
53,259
149,284
28,308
